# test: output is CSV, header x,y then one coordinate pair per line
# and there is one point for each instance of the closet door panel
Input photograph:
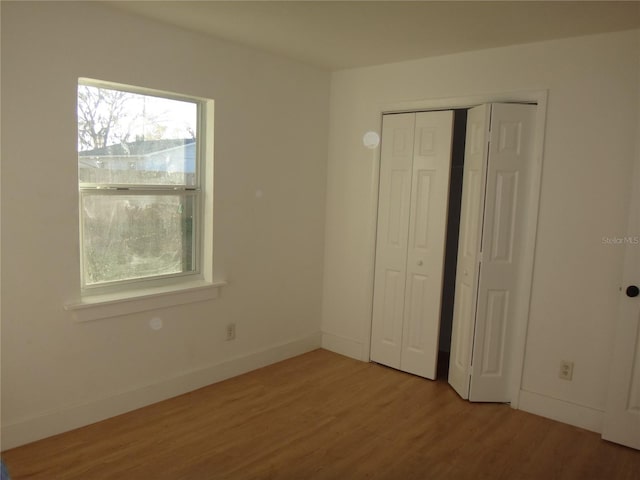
x,y
510,155
427,231
392,238
467,270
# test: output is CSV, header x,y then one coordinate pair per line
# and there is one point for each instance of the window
x,y
142,188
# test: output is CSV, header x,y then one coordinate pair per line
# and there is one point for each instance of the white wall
x,y
270,135
590,134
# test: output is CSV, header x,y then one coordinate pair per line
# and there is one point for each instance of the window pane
x,y
128,138
137,236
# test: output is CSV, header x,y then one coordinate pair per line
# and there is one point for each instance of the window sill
x,y
96,307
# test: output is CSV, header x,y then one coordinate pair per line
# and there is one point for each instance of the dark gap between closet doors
x,y
451,248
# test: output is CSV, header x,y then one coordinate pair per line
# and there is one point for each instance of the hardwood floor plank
x,y
324,416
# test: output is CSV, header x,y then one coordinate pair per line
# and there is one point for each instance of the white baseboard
x,y
562,411
343,346
76,416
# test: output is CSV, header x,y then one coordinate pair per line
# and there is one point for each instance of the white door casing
x,y
412,215
489,297
622,412
472,206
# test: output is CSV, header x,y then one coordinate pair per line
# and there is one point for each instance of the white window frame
x,y
140,294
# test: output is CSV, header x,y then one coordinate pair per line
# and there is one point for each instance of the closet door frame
x,y
538,97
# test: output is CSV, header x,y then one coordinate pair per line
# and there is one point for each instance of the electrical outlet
x,y
231,331
566,370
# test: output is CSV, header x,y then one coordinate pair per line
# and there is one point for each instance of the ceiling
x,y
345,34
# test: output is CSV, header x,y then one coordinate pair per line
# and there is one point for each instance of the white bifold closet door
x,y
412,216
488,297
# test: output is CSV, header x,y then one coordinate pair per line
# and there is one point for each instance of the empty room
x,y
320,239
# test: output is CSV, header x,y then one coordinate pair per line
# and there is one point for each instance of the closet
x,y
489,294
412,218
411,237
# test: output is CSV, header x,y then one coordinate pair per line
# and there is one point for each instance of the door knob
x,y
420,263
632,291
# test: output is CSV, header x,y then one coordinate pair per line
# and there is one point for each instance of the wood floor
x,y
324,416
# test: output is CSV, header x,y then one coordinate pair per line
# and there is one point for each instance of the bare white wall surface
x,y
271,130
590,141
